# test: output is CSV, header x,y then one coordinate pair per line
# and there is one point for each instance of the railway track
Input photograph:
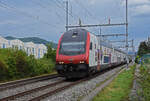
x,y
13,97
47,90
18,83
67,86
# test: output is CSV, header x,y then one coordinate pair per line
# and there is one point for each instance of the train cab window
x,y
91,46
74,34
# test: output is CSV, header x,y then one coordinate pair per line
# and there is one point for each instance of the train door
x,y
93,54
98,63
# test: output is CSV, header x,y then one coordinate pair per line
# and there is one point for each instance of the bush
x,y
12,71
145,81
47,65
3,70
51,54
15,64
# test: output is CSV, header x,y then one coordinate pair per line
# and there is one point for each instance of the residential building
x,y
4,43
41,50
16,44
30,48
37,50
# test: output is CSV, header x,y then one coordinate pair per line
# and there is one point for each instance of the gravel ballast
x,y
23,88
76,92
41,92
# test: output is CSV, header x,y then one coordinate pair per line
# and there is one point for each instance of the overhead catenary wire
x,y
46,8
82,6
60,5
14,9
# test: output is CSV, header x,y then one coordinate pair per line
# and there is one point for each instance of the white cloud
x,y
141,9
138,7
8,22
92,2
136,2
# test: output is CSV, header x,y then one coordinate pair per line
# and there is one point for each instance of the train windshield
x,y
72,48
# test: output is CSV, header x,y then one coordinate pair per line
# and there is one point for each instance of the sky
x,y
46,18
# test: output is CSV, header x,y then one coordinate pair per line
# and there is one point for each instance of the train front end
x,y
72,56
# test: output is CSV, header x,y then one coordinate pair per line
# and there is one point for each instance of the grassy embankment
x,y
119,88
15,64
144,80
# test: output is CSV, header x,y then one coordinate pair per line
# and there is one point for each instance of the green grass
x,y
145,80
119,88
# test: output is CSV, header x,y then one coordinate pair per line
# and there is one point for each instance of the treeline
x,y
143,49
15,64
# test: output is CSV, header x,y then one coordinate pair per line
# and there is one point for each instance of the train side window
x,y
91,46
106,59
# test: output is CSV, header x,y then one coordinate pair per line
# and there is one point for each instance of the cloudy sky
x,y
46,18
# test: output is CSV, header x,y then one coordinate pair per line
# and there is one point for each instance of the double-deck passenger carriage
x,y
80,53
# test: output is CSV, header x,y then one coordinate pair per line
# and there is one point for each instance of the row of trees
x,y
144,48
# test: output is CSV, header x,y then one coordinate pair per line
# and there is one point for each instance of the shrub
x,y
15,64
12,71
51,54
3,70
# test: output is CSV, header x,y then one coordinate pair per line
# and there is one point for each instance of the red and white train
x,y
80,53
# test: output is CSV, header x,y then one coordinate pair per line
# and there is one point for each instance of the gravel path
x,y
77,91
136,89
14,91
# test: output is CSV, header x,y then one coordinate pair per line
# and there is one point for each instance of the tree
x,y
51,53
143,49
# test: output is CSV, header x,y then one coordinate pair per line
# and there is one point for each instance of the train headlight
x,y
61,62
81,61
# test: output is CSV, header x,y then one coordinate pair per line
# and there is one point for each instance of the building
x,y
41,50
30,48
37,50
4,43
16,44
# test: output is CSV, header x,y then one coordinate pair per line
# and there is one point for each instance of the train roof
x,y
75,35
102,41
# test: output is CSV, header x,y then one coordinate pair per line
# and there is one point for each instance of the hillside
x,y
33,39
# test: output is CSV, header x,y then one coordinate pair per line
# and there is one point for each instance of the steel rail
x,y
12,97
18,83
68,86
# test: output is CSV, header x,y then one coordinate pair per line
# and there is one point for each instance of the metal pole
x,y
127,32
67,17
132,45
100,33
